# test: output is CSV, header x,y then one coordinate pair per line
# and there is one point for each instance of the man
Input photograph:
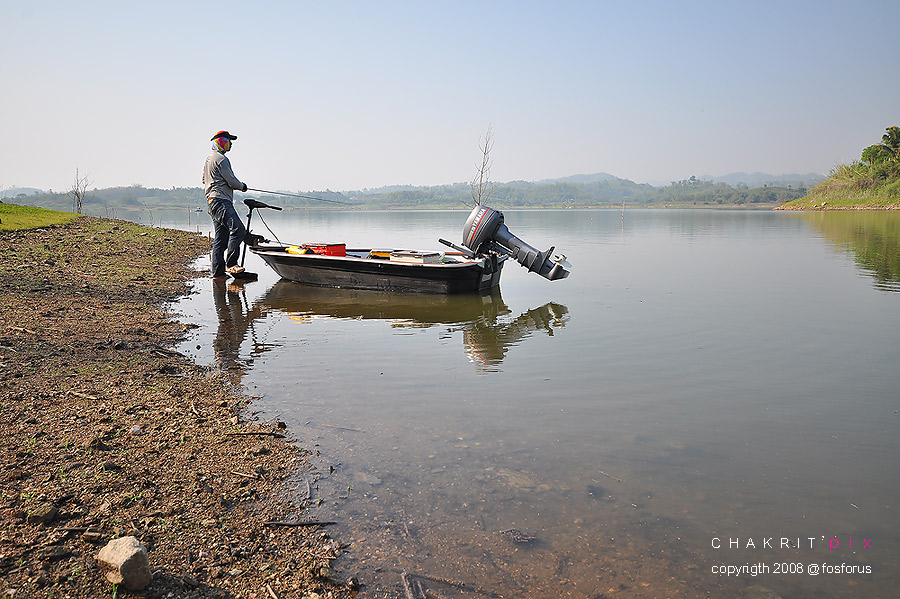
x,y
220,183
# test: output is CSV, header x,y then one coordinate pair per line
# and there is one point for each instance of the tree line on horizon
x,y
607,193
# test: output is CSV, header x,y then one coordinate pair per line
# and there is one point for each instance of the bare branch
x,y
78,191
482,188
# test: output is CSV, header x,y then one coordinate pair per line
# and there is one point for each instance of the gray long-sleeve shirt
x,y
219,179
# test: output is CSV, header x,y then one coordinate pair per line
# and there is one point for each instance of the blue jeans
x,y
229,233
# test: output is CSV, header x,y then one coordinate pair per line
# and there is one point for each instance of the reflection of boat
x,y
485,321
470,269
294,299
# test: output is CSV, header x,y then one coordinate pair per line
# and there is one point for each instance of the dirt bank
x,y
824,207
106,432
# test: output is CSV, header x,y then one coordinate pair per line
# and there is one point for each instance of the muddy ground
x,y
106,432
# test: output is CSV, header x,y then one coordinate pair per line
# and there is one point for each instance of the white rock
x,y
125,561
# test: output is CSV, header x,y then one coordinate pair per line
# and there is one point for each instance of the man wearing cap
x,y
220,183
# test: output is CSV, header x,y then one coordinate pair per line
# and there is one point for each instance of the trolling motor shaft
x,y
485,230
249,238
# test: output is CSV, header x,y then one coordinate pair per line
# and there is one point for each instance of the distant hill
x,y
13,192
583,179
765,179
369,191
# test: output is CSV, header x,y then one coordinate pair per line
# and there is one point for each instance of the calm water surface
x,y
704,385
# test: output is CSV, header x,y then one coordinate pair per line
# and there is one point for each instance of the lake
x,y
707,406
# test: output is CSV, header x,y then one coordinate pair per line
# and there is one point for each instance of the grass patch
x,y
850,187
16,218
872,182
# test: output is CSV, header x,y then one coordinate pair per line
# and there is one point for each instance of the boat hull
x,y
356,272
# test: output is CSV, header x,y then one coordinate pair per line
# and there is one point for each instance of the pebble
x,y
43,513
92,536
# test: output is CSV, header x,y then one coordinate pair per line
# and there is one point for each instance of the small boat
x,y
470,269
383,270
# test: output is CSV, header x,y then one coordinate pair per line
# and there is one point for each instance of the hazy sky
x,y
348,95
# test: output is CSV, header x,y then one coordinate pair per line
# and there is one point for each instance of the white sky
x,y
348,95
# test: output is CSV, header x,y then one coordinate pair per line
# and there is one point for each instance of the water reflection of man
x,y
233,323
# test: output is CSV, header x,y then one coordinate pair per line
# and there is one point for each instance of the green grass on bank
x,y
15,218
844,192
872,182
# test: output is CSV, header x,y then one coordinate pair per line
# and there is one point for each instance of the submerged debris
x,y
514,535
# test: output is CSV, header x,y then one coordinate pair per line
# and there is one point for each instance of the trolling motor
x,y
252,204
484,231
250,238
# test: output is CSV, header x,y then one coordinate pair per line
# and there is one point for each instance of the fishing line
x,y
296,195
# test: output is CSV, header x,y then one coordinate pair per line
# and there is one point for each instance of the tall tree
x,y
891,139
888,149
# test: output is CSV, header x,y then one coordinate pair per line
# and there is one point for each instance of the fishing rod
x,y
295,195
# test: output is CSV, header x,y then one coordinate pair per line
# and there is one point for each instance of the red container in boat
x,y
327,249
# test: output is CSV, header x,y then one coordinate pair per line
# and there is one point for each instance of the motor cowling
x,y
485,229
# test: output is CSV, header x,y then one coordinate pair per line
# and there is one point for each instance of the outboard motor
x,y
484,230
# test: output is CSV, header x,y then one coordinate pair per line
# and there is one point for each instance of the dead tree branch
x,y
78,191
482,188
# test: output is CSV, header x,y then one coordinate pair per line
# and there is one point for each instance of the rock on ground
x,y
125,561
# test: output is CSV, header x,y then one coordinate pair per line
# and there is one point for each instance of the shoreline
x,y
856,208
108,432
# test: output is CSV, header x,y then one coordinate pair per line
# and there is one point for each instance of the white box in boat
x,y
416,257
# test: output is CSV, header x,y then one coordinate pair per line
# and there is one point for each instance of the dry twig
x,y
482,188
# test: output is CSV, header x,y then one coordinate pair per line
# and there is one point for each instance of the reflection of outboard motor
x,y
488,339
485,230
